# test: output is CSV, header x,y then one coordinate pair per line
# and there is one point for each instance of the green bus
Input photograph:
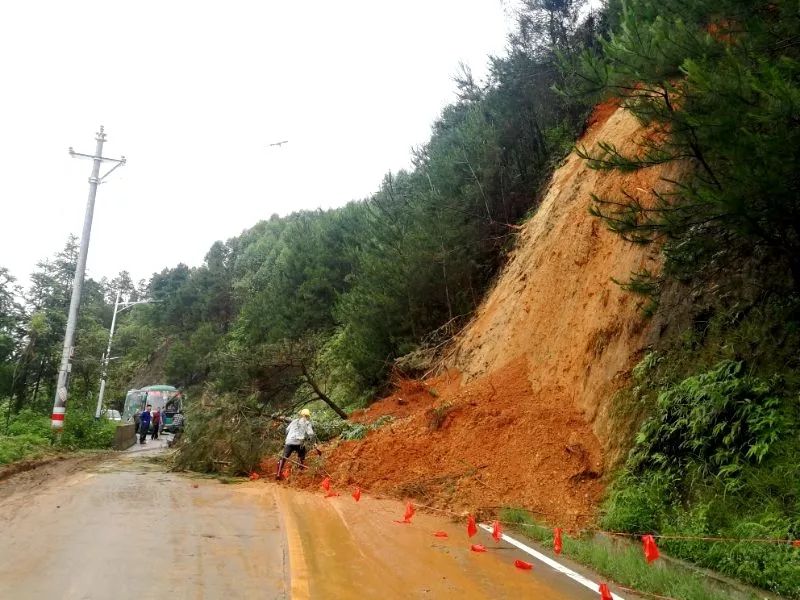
x,y
167,399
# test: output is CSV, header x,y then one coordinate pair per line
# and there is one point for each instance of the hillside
x,y
520,416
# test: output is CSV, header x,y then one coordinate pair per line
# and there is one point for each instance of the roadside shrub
x,y
28,422
719,457
331,428
28,436
637,504
354,431
358,431
83,431
712,424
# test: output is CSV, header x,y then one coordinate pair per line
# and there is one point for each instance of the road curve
x,y
124,528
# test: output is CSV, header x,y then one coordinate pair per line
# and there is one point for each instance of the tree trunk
x,y
322,395
38,380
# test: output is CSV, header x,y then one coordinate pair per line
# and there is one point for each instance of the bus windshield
x,y
163,398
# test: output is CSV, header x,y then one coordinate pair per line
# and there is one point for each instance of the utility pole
x,y
60,402
107,355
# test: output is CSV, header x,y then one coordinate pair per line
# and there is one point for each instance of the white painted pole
x,y
60,402
106,359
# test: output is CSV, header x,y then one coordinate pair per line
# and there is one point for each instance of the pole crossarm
x,y
73,154
127,305
98,158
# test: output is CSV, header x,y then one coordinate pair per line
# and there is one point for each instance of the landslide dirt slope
x,y
521,416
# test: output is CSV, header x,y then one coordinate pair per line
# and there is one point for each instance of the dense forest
x,y
333,297
323,306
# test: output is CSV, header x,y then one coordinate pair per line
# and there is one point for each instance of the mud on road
x,y
123,527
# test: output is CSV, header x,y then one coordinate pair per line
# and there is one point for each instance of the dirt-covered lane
x,y
342,549
124,528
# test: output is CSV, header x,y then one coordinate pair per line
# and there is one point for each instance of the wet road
x,y
124,528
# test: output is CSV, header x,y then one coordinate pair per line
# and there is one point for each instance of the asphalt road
x,y
124,528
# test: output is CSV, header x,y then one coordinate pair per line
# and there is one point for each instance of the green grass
x,y
624,564
28,435
14,448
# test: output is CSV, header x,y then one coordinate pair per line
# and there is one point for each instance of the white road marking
x,y
595,587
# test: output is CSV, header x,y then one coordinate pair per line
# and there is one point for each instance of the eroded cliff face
x,y
555,305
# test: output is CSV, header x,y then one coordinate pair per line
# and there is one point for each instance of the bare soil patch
x,y
26,476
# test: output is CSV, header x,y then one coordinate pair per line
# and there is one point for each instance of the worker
x,y
144,424
298,433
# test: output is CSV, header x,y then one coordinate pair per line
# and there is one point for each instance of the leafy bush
x,y
28,436
713,423
83,431
719,457
347,430
28,422
354,431
638,504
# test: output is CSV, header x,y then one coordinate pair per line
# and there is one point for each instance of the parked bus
x,y
166,399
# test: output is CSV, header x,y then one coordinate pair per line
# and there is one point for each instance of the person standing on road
x,y
298,433
144,424
156,424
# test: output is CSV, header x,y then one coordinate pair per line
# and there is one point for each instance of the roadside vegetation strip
x,y
577,577
626,566
707,538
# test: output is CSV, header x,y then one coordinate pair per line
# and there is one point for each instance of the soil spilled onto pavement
x,y
27,476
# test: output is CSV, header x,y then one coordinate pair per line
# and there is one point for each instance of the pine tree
x,y
718,83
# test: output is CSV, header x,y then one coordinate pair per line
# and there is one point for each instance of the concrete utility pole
x,y
106,359
60,402
107,355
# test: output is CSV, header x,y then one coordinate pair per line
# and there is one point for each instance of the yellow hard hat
x,y
305,413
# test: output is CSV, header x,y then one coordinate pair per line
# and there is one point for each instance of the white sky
x,y
192,92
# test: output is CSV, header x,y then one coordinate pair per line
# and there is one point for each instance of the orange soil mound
x,y
525,424
464,451
412,396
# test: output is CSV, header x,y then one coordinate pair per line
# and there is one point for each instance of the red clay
x,y
464,451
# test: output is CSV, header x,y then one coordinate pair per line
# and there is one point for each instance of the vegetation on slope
x,y
717,451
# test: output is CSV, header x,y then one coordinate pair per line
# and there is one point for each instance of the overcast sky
x,y
192,93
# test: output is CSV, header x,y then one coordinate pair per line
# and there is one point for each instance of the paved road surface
x,y
123,528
